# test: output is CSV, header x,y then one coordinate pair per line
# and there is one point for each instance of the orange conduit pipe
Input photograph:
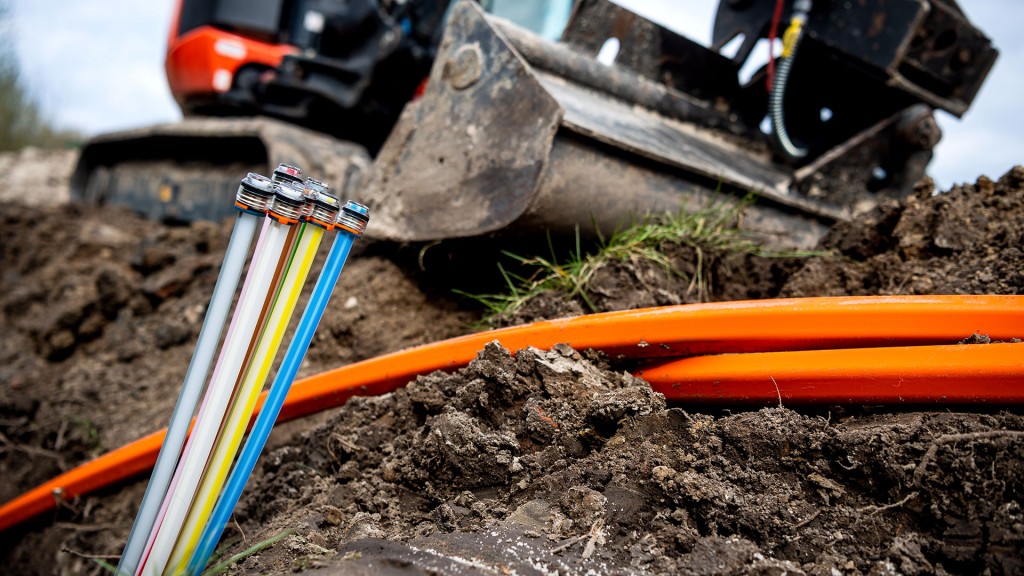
x,y
672,331
957,374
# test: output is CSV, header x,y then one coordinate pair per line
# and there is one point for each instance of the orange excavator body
x,y
203,62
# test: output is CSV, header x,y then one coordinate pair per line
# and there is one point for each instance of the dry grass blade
x,y
223,566
107,566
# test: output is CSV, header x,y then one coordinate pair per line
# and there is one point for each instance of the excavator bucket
x,y
515,131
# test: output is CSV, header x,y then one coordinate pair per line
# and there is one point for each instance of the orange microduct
x,y
957,374
889,349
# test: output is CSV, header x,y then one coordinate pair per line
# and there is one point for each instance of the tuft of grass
x,y
549,275
223,566
711,230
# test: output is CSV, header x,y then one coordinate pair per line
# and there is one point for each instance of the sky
x,y
97,66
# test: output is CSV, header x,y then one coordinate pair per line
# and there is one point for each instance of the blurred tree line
x,y
22,120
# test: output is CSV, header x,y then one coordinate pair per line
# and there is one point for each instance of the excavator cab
x,y
344,68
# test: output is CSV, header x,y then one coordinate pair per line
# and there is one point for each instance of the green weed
x,y
108,566
710,232
223,566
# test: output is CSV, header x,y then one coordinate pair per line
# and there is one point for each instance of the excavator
x,y
460,118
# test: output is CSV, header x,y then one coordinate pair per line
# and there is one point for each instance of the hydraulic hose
x,y
672,331
776,102
252,200
284,213
352,221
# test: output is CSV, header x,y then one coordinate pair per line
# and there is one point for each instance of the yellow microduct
x,y
245,400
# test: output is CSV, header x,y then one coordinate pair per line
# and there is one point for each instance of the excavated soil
x,y
541,463
969,240
552,462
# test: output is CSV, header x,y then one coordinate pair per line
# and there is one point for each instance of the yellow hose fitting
x,y
789,38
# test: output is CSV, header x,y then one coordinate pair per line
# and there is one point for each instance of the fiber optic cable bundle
x,y
260,286
310,233
189,476
252,200
352,220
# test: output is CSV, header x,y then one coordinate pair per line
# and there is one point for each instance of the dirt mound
x,y
969,240
549,462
